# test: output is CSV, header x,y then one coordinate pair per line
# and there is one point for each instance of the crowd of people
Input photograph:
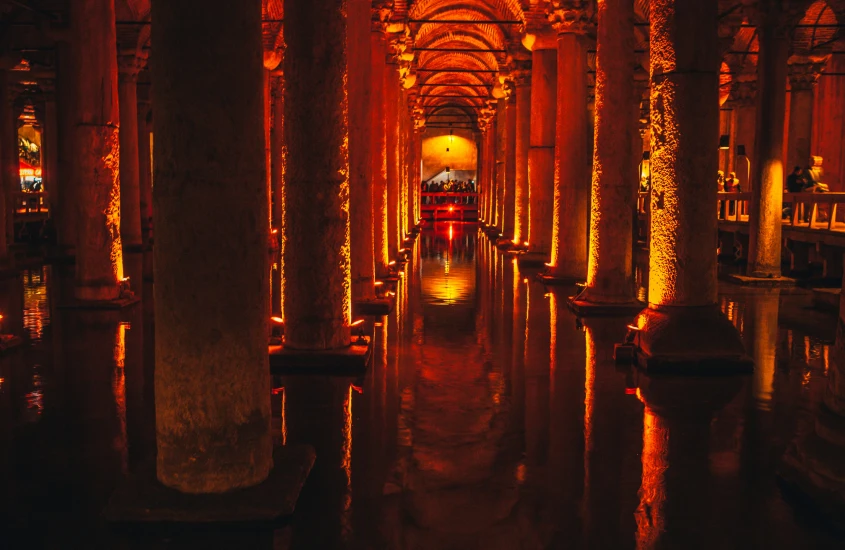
x,y
449,186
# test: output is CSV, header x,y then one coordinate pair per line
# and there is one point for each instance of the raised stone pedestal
x,y
504,243
533,259
549,279
767,282
349,361
583,307
689,340
141,498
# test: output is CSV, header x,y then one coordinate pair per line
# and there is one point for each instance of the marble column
x,y
212,388
541,153
317,297
378,146
360,137
571,176
682,327
522,80
278,160
610,279
764,243
96,151
130,187
63,199
802,82
391,121
145,169
509,206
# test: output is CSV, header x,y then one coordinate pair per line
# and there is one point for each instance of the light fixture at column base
x,y
558,280
142,499
770,282
689,340
351,360
814,470
504,243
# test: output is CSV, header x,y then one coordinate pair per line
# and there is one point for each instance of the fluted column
x,y
683,327
522,80
317,295
609,274
541,153
378,145
211,263
360,137
571,176
802,83
764,245
130,183
96,145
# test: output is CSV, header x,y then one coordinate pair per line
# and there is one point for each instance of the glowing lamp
x,y
277,391
378,283
356,323
525,281
392,262
525,243
277,320
451,209
724,142
740,150
630,391
635,328
274,232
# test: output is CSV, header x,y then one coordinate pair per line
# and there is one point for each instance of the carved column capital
x,y
804,74
572,16
129,64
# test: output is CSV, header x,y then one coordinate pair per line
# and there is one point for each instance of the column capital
x,y
521,72
804,73
572,16
129,64
743,93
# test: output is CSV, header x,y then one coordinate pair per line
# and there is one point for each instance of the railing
x,y
28,203
811,211
447,197
448,205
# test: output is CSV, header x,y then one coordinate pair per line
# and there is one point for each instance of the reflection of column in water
x,y
517,341
761,340
652,488
537,338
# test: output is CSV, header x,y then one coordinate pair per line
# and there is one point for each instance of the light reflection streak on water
x,y
119,392
346,464
649,514
36,309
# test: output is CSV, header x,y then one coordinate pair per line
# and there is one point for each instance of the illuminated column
x,y
501,146
278,160
391,121
360,137
764,243
571,175
483,170
522,79
317,298
145,170
802,81
509,205
609,274
412,179
96,151
492,170
682,326
62,192
211,279
744,99
130,185
378,145
541,153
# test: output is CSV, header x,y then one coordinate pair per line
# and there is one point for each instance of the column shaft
x,y
391,121
501,164
278,159
317,300
571,185
522,144
492,172
130,189
378,147
609,273
360,137
96,144
764,246
509,207
145,172
541,154
800,125
211,263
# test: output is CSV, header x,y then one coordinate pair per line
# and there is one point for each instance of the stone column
x,y
744,99
522,79
509,206
802,82
492,171
278,160
360,164
483,183
10,169
391,121
683,327
63,199
212,385
268,155
412,177
541,153
317,298
96,151
378,145
764,243
572,156
609,273
145,170
501,146
130,186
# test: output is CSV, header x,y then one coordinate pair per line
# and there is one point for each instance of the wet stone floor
x,y
490,419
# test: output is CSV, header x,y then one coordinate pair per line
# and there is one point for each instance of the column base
x,y
504,243
349,361
376,306
549,278
582,306
142,499
688,340
769,282
124,301
533,259
493,233
814,469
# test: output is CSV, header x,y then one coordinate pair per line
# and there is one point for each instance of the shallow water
x,y
490,418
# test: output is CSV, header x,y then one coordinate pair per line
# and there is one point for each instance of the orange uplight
x,y
356,323
278,320
277,391
124,279
525,281
378,283
393,262
451,209
634,328
525,243
274,232
630,391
